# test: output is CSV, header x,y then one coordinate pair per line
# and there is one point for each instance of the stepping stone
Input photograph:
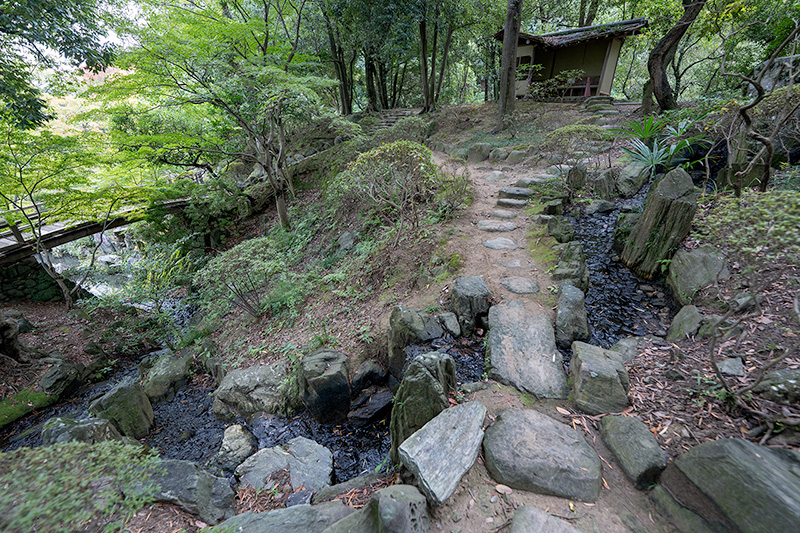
x,y
521,351
529,519
528,450
503,213
496,176
635,447
517,193
496,226
517,156
607,112
442,451
511,202
513,263
501,243
533,181
519,285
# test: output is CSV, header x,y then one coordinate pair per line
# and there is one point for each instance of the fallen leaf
x,y
503,489
562,411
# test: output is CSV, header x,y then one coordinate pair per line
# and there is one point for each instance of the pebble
x,y
493,499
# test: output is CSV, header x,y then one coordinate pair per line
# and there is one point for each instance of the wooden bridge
x,y
17,244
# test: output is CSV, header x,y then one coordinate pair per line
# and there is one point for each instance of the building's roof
x,y
572,36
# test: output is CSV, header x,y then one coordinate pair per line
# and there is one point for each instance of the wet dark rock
x,y
571,321
630,179
400,508
191,488
309,465
253,389
422,395
444,449
685,324
635,447
62,379
296,519
91,430
521,351
470,300
732,485
301,497
530,519
527,450
370,372
127,407
373,407
561,229
780,386
690,270
324,385
166,376
238,443
408,326
665,222
600,382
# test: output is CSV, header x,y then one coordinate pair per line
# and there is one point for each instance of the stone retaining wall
x,y
27,281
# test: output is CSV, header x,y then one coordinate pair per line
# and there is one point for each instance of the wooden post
x,y
17,233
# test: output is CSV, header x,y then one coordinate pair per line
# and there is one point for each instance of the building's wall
x,y
589,57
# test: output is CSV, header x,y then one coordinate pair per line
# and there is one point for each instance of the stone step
x,y
496,226
503,213
512,203
517,193
501,243
533,181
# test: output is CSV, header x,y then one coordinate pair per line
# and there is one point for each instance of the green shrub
x,y
566,140
73,486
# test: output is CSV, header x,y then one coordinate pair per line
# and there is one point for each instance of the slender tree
x,y
508,65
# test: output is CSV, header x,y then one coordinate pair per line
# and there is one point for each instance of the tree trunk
x,y
370,73
508,65
445,52
423,45
664,50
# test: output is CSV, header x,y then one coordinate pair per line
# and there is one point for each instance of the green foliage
x,y
645,130
565,140
20,404
759,230
554,87
73,486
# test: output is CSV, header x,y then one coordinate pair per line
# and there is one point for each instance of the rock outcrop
x,y
572,323
127,407
635,447
408,326
324,385
470,302
690,270
249,390
309,464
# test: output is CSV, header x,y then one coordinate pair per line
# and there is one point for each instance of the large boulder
x,y
167,375
572,323
470,299
309,464
630,180
249,390
685,324
324,386
127,407
408,326
527,450
370,372
188,486
62,379
422,395
600,382
237,445
296,519
635,447
521,351
576,176
561,229
442,451
691,270
91,430
529,519
571,266
479,152
734,485
665,222
399,508
605,185
780,386
10,346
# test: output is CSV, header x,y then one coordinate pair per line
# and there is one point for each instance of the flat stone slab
x,y
501,243
635,447
503,213
496,226
528,450
309,464
444,449
521,350
518,193
511,202
533,181
496,176
530,519
513,263
519,285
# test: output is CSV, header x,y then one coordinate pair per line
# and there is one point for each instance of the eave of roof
x,y
572,36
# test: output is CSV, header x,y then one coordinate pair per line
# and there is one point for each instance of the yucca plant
x,y
645,130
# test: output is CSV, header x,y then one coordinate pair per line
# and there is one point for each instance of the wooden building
x,y
592,49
